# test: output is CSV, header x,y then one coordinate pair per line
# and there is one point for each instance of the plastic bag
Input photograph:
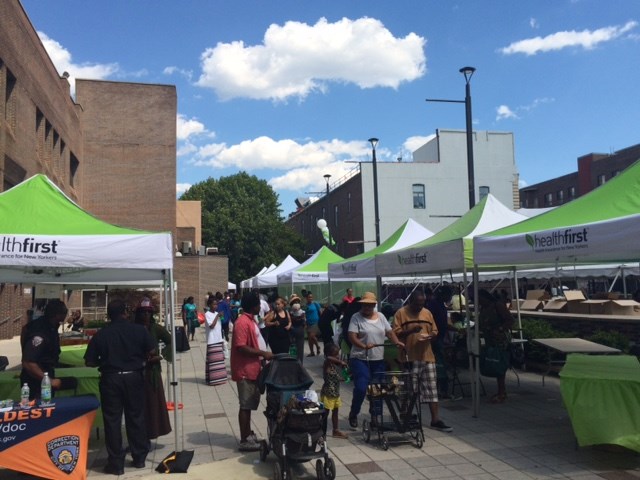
x,y
225,349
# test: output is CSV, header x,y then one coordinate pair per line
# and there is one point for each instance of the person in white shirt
x,y
215,370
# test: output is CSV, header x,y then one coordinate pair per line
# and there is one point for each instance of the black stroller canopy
x,y
284,373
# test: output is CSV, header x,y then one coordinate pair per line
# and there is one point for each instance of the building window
x,y
602,179
302,227
484,191
13,174
548,199
324,214
74,164
10,99
560,196
418,196
572,192
335,215
349,203
615,173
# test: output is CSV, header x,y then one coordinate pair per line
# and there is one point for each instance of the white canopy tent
x,y
270,278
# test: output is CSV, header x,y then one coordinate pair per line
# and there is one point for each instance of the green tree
x,y
241,215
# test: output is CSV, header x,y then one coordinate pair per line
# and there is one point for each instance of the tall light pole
x,y
374,143
468,73
326,179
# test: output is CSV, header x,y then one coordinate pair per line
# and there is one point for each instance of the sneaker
x,y
252,437
353,422
249,446
440,425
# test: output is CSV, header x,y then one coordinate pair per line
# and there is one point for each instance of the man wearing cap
x,y
416,326
367,332
121,351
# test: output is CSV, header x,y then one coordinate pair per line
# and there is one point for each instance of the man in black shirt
x,y
120,350
41,348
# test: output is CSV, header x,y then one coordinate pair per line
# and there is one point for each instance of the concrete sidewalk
x,y
528,437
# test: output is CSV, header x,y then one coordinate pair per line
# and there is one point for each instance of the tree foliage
x,y
241,216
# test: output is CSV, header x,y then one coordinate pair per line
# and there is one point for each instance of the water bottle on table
x,y
24,395
45,389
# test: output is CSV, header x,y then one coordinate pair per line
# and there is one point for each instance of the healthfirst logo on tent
x,y
413,259
567,239
28,248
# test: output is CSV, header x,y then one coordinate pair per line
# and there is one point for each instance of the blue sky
x,y
291,90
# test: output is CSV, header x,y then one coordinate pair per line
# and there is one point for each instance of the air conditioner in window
x,y
212,251
186,248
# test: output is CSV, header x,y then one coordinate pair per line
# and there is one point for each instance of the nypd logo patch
x,y
64,452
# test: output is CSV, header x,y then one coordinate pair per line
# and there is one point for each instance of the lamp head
x,y
373,142
467,72
327,177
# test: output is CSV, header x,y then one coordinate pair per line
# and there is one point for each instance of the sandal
x,y
339,434
498,398
311,354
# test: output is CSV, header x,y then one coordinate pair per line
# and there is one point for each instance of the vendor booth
x,y
311,273
46,238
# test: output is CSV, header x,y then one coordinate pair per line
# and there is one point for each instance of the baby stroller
x,y
296,426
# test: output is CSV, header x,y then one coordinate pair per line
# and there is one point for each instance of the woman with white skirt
x,y
215,370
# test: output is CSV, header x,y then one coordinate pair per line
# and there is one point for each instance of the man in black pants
x,y
41,348
121,350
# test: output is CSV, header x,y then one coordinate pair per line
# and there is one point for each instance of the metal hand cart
x,y
400,394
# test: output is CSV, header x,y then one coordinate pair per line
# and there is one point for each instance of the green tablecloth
x,y
601,395
73,355
88,383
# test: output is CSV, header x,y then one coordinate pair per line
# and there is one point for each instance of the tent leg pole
x,y
174,383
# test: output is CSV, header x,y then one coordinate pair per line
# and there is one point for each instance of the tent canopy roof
x,y
46,237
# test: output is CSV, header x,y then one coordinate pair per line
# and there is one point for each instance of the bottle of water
x,y
24,395
45,389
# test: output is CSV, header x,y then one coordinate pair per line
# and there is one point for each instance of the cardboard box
x,y
556,305
531,305
622,307
596,307
574,302
537,295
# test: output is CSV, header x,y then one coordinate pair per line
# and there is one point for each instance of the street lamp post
x,y
468,73
374,143
326,178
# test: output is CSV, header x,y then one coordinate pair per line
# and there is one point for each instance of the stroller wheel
x,y
320,470
264,450
280,473
366,431
330,469
385,442
419,439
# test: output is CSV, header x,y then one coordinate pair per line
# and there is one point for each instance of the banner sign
x,y
48,441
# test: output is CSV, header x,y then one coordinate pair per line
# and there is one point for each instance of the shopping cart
x,y
399,394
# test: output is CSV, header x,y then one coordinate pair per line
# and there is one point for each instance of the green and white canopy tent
x,y
313,271
47,238
451,249
601,226
363,267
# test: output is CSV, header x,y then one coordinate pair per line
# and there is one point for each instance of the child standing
x,y
330,393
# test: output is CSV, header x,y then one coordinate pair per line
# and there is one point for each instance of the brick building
x,y
594,169
112,150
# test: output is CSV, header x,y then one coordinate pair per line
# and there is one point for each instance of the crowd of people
x,y
354,333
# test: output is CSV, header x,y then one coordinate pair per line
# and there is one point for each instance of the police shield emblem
x,y
63,452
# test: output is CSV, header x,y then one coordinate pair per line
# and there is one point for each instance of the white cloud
x,y
188,74
505,112
266,153
182,187
533,23
522,183
586,39
296,59
61,58
411,144
189,127
312,179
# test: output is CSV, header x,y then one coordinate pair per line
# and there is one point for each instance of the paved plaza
x,y
528,437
